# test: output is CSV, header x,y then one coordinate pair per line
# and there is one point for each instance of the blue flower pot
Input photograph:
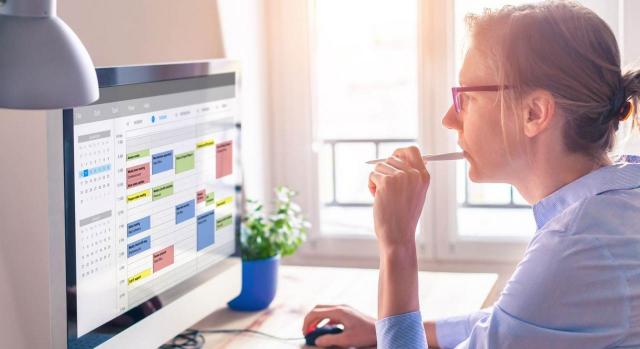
x,y
259,284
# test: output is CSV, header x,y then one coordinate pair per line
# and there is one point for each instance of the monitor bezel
x,y
128,75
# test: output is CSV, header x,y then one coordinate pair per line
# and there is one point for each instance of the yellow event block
x,y
139,195
222,202
140,276
206,143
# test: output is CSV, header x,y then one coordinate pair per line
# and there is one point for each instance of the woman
x,y
542,96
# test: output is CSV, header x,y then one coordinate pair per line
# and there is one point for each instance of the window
x,y
354,79
365,100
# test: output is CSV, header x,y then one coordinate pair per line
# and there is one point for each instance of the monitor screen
x,y
151,185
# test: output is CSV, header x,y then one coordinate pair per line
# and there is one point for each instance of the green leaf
x,y
267,235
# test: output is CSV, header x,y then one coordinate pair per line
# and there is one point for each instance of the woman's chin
x,y
473,175
476,176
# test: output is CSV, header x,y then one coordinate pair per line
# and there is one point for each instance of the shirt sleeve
x,y
566,293
401,331
454,330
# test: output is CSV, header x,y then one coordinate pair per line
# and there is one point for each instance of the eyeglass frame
x,y
456,91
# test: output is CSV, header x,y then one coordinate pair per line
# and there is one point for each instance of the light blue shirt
x,y
578,285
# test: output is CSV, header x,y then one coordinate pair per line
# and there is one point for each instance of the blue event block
x,y
138,226
206,230
162,161
138,246
185,211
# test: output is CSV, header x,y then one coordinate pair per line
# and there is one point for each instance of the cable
x,y
252,332
189,339
193,339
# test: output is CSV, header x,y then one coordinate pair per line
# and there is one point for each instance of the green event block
x,y
162,191
185,162
211,199
138,154
224,221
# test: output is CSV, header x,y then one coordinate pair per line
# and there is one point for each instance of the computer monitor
x,y
152,192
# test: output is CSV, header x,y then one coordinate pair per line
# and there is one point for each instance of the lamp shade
x,y
43,64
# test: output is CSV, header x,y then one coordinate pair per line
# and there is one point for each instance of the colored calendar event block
x,y
162,161
206,230
140,276
185,162
137,154
162,259
224,201
137,175
205,143
201,195
224,159
211,199
185,211
224,222
138,246
162,191
138,226
139,195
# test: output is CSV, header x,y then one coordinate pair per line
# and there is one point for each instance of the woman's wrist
x,y
397,249
398,291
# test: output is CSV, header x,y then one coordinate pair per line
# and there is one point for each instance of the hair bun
x,y
625,111
618,107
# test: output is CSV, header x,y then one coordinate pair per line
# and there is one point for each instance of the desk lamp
x,y
43,64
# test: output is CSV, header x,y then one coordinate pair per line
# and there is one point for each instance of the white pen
x,y
425,158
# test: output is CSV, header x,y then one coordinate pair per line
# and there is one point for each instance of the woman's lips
x,y
462,148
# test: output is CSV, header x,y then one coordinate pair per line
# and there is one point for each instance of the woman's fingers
x,y
375,178
359,329
318,314
393,165
412,156
398,163
334,340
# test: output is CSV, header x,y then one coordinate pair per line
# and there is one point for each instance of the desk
x,y
300,288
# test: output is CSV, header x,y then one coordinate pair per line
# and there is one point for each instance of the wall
x,y
115,32
245,38
121,32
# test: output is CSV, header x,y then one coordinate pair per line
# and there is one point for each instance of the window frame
x,y
291,90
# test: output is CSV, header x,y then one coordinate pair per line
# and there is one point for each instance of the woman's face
x,y
478,124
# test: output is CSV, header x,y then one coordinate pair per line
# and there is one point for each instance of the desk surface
x,y
301,288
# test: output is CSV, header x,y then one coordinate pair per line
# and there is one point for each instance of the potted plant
x,y
264,239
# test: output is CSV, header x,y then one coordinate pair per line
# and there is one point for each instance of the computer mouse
x,y
311,337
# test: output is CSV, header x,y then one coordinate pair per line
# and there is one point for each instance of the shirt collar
x,y
624,174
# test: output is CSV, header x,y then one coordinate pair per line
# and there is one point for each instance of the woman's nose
x,y
450,119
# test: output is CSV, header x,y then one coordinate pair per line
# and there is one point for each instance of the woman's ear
x,y
539,112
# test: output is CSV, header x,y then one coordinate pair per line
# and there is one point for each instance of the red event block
x,y
224,159
201,195
162,259
137,175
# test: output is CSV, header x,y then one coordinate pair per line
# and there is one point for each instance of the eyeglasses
x,y
456,92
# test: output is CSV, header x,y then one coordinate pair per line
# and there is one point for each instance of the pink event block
x,y
224,159
162,259
137,175
201,195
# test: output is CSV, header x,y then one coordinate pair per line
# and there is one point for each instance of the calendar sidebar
x,y
95,183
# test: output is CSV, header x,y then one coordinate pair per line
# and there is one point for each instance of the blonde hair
x,y
566,49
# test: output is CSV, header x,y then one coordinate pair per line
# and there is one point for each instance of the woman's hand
x,y
399,187
359,329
